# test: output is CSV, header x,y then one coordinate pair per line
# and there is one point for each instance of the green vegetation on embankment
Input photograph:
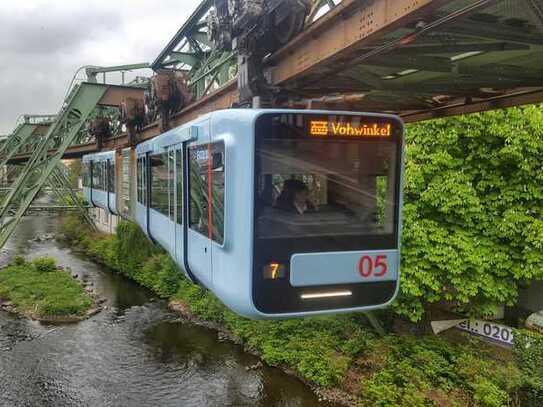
x,y
339,352
41,290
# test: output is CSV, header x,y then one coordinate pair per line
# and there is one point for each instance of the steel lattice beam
x,y
42,164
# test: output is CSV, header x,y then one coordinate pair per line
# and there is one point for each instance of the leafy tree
x,y
473,214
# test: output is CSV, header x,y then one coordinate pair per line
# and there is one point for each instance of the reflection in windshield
x,y
322,187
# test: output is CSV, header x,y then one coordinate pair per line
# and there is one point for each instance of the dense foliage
x,y
40,289
473,214
338,351
529,353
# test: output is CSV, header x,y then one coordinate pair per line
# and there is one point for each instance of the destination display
x,y
320,128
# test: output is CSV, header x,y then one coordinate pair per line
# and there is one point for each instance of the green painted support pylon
x,y
62,133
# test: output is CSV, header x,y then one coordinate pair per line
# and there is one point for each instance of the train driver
x,y
294,198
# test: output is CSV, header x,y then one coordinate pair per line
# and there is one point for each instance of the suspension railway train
x,y
280,213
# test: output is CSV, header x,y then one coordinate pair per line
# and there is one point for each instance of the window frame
x,y
179,184
164,158
209,147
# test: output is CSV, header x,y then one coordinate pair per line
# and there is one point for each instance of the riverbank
x,y
340,356
44,292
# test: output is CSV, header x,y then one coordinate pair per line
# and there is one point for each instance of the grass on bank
x,y
40,289
341,352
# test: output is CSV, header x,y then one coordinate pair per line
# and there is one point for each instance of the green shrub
x,y
528,350
45,264
18,261
43,290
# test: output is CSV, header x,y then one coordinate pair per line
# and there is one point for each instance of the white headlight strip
x,y
328,294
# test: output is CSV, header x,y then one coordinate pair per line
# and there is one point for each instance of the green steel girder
x,y
40,166
61,187
15,141
21,138
186,58
217,68
201,37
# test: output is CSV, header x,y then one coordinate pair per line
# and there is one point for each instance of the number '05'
x,y
368,266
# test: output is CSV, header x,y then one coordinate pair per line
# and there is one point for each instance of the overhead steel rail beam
x,y
419,59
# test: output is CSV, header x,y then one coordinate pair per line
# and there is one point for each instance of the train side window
x,y
179,184
160,183
138,179
171,184
198,176
103,176
207,175
145,181
217,191
95,175
111,176
86,175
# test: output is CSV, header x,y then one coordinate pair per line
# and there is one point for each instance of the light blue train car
x,y
280,213
99,180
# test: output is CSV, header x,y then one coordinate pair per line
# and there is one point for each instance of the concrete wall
x,y
105,222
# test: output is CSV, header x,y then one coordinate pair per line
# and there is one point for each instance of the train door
x,y
198,232
177,190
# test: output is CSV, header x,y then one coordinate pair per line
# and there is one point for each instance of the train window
x,y
207,176
103,176
159,183
198,216
217,191
95,166
86,174
138,180
171,183
179,184
111,176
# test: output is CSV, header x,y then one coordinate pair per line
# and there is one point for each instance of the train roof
x,y
105,155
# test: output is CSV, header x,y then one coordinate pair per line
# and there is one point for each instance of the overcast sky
x,y
43,42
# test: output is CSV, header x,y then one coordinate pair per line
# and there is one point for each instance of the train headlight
x,y
326,294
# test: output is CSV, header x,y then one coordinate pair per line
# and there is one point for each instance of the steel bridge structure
x,y
420,59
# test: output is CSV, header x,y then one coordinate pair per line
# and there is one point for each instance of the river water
x,y
134,353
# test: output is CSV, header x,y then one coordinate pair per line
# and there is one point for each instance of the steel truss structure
x,y
47,155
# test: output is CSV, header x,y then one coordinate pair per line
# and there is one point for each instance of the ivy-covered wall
x,y
473,214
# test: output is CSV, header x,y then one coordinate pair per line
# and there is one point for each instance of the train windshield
x,y
328,178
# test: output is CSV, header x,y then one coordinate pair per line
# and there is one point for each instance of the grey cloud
x,y
42,46
44,32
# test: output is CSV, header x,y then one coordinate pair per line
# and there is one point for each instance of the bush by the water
x,y
41,289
